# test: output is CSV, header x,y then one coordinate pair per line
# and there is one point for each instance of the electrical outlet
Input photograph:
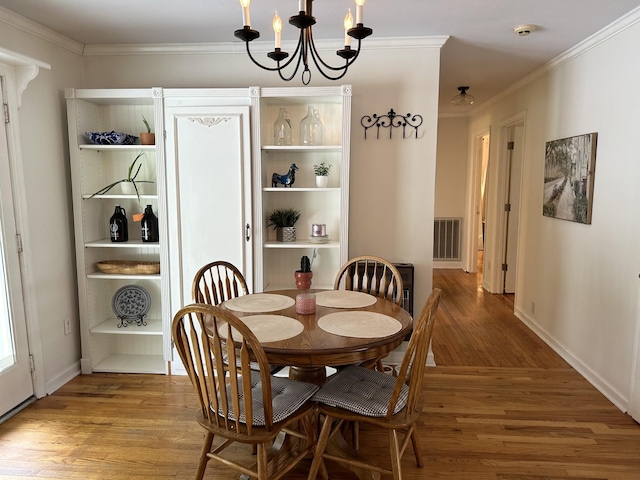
x,y
67,326
533,307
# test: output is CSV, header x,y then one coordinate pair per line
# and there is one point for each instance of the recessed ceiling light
x,y
524,30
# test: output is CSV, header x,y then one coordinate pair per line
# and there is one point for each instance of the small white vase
x,y
127,188
322,181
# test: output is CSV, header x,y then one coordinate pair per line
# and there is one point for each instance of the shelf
x,y
110,327
301,148
107,243
92,146
118,276
302,244
143,196
302,189
132,364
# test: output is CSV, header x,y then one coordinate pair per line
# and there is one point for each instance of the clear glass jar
x,y
311,128
320,134
282,133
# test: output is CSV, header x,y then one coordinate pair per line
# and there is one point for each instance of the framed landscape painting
x,y
569,166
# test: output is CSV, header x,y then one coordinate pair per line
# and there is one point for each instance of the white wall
x,y
582,278
451,167
48,233
392,181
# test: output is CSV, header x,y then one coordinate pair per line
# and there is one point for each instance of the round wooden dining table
x,y
313,348
306,344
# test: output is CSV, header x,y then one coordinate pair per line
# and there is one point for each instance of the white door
x,y
208,157
16,384
513,211
633,408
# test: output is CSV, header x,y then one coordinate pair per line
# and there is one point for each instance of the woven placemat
x,y
344,299
269,328
360,324
259,302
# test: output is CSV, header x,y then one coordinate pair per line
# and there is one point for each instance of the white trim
x,y
34,28
25,69
260,46
22,226
63,377
613,29
604,387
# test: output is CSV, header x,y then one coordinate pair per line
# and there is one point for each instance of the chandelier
x,y
306,48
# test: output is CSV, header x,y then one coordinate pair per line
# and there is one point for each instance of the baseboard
x,y
604,387
63,377
448,264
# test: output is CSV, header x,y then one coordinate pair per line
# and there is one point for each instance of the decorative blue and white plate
x,y
131,302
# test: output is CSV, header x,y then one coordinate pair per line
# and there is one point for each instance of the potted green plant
x,y
304,275
128,185
283,221
147,138
322,174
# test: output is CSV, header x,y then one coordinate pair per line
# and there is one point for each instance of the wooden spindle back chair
x,y
396,406
237,403
373,275
217,282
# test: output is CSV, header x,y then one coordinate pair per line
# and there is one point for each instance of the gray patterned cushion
x,y
253,365
361,390
287,396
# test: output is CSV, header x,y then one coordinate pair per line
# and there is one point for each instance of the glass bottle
x,y
282,129
149,226
118,228
310,126
320,134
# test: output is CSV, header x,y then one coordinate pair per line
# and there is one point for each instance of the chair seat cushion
x,y
253,365
287,396
361,390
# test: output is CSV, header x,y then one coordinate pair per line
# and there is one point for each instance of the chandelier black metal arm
x,y
306,47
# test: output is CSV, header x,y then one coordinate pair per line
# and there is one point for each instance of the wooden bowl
x,y
129,267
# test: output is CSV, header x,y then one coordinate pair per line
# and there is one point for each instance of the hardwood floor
x,y
500,406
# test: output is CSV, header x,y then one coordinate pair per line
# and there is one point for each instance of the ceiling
x,y
482,51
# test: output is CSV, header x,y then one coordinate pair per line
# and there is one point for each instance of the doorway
x,y
16,384
515,136
476,206
493,204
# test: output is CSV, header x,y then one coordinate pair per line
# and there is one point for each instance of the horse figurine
x,y
287,179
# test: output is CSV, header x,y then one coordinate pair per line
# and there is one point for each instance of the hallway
x,y
478,329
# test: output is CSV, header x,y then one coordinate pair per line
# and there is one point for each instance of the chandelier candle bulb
x,y
359,8
301,7
277,28
348,24
246,18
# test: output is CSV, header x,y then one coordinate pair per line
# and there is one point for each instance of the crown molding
x,y
598,38
259,46
33,28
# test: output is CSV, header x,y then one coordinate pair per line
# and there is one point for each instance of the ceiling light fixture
x,y
463,98
306,46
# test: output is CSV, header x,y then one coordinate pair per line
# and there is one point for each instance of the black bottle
x,y
118,228
149,226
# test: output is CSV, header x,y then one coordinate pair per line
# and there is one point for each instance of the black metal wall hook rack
x,y
392,120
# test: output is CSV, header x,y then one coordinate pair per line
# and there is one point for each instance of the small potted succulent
x,y
304,275
283,221
322,174
147,138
